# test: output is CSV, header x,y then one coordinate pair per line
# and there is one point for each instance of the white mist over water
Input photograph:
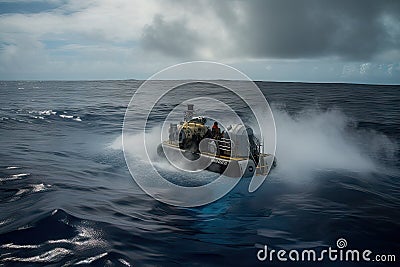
x,y
314,140
133,144
134,148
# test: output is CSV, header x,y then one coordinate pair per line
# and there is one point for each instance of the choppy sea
x,y
67,197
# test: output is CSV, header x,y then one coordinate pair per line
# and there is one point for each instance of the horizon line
x,y
132,79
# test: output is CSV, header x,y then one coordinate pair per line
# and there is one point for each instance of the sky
x,y
356,41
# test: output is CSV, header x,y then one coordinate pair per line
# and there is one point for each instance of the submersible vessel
x,y
233,152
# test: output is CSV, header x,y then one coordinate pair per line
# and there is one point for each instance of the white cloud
x,y
101,34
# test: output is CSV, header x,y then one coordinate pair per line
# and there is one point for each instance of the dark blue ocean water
x,y
67,197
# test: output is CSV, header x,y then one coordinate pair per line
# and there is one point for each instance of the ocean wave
x,y
66,116
51,256
47,112
28,190
12,167
80,242
91,259
80,202
14,177
14,246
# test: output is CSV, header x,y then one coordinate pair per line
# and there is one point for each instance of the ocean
x,y
67,196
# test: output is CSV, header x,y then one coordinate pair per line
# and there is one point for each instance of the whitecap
x,y
92,259
5,221
24,227
59,241
87,237
53,255
15,246
14,177
66,116
40,187
21,191
33,188
124,262
47,112
20,175
38,117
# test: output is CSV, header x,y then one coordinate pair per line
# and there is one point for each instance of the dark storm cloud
x,y
172,38
349,29
291,29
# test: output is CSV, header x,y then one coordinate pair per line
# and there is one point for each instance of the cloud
x,y
74,39
352,30
276,40
161,36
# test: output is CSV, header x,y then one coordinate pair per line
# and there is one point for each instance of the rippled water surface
x,y
67,197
